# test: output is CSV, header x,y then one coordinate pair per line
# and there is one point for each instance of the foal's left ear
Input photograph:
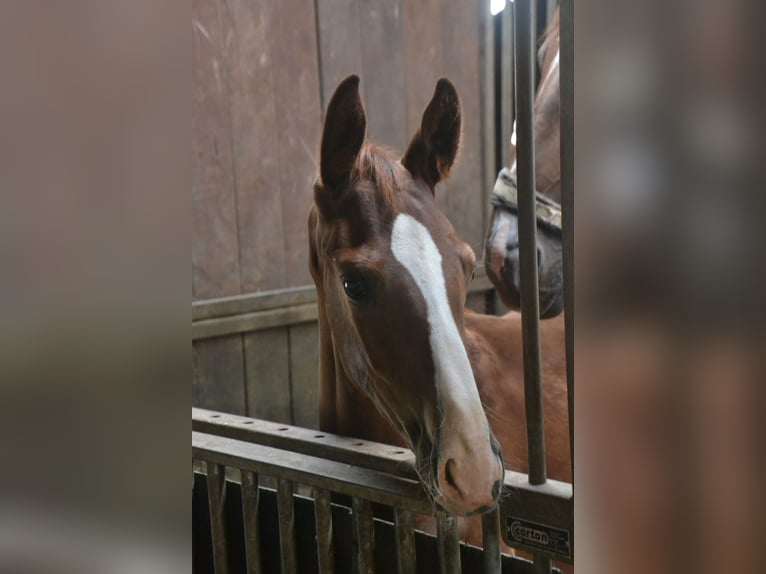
x,y
434,146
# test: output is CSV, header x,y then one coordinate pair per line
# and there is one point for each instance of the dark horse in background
x,y
501,246
402,361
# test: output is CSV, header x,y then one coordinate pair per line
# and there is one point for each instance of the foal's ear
x,y
434,146
344,127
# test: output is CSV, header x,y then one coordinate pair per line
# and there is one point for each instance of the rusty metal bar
x,y
405,541
286,513
250,519
566,79
364,536
216,484
490,528
530,304
448,543
323,515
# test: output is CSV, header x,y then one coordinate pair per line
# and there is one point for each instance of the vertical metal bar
x,y
530,304
506,87
286,512
488,111
405,541
449,544
490,528
216,483
364,536
542,564
566,79
250,519
323,514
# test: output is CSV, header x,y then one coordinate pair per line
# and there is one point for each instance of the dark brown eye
x,y
355,288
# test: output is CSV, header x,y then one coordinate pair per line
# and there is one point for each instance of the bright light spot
x,y
513,134
496,6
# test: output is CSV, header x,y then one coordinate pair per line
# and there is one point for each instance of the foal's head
x,y
392,277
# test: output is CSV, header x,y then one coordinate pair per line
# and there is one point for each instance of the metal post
x,y
530,305
448,544
250,518
490,527
216,485
566,78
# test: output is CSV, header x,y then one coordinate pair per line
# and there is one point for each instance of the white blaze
x,y
414,248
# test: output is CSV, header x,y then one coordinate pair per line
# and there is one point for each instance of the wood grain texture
x,y
218,375
268,375
340,43
215,261
382,72
297,104
217,366
304,374
461,48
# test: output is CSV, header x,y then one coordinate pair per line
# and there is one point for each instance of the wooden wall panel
x,y
382,72
218,375
297,103
215,261
340,43
304,374
461,45
217,366
268,375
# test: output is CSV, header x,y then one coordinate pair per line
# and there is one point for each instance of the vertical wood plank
x,y
340,43
250,520
323,515
218,370
249,69
363,536
215,261
297,103
268,375
461,48
405,542
383,77
216,484
286,512
422,38
218,375
304,374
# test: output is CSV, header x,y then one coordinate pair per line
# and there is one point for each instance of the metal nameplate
x,y
537,535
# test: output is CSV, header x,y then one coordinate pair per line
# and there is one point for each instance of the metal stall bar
x,y
363,535
405,541
530,304
448,544
215,497
566,78
490,529
323,517
286,513
250,496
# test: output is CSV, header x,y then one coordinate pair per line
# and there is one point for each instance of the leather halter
x,y
506,196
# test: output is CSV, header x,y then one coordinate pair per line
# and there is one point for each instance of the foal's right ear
x,y
344,128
